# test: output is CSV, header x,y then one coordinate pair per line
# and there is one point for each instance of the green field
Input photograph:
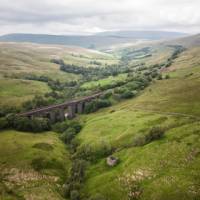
x,y
16,91
17,60
18,178
92,85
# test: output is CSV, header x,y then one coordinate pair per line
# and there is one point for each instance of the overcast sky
x,y
90,16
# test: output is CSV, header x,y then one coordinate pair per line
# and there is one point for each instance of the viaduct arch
x,y
61,111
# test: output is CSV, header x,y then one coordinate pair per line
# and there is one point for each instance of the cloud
x,y
89,16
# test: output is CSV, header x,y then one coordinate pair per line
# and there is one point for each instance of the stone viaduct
x,y
61,111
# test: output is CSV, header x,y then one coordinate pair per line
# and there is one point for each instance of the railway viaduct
x,y
61,111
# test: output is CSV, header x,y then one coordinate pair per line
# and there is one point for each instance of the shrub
x,y
32,125
139,141
3,123
97,104
107,95
41,163
167,76
75,125
127,94
78,170
60,127
90,107
155,133
66,190
74,195
68,135
159,77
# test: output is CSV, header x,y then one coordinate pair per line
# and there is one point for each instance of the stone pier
x,y
61,114
71,111
80,107
52,116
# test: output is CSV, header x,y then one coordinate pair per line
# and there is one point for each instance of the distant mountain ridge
x,y
92,41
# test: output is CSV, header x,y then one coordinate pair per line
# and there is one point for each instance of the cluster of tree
x,y
76,178
36,102
68,130
4,110
88,73
132,87
93,106
53,84
178,50
80,155
24,124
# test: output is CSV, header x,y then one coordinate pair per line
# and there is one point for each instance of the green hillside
x,y
19,61
164,169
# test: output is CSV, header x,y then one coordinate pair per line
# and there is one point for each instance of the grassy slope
x,y
23,58
18,179
165,169
16,91
103,82
20,59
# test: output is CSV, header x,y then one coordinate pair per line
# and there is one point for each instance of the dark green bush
x,y
33,125
159,77
42,163
155,133
139,141
127,95
74,195
78,170
75,125
167,76
97,104
60,127
3,123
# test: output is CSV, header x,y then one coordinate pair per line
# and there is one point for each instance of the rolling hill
x,y
100,40
164,169
17,60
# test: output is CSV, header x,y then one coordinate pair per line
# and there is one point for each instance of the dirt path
x,y
166,113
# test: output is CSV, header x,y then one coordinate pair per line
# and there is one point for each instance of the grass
x,y
159,54
27,58
163,169
18,178
18,60
168,166
103,82
16,91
